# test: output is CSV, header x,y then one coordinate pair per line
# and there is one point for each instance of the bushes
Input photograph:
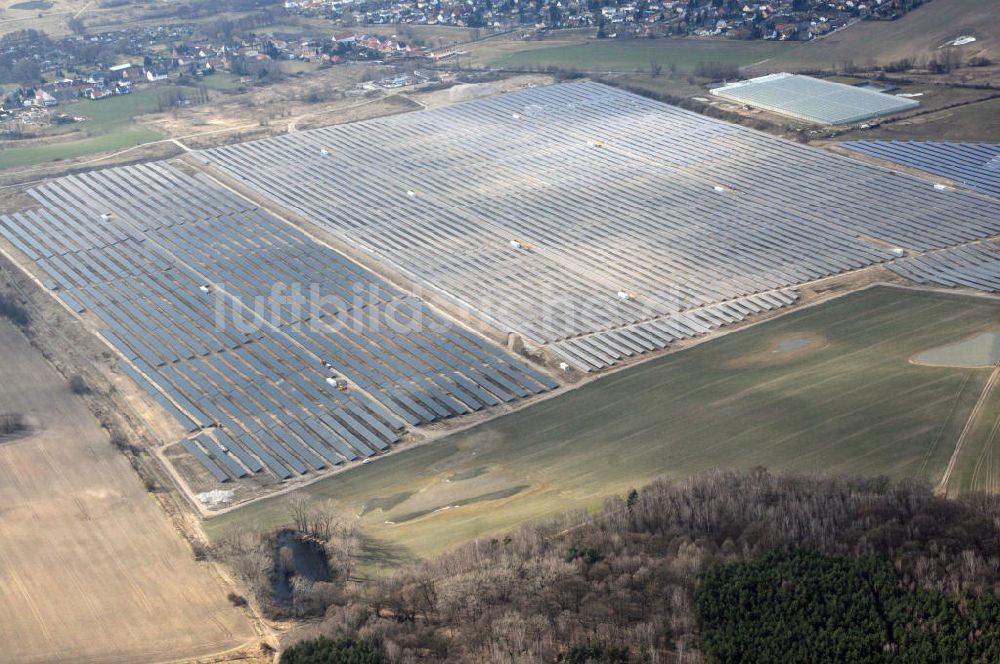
x,y
716,71
12,423
236,600
588,554
597,654
78,385
12,310
330,651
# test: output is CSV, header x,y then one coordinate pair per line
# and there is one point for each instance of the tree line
x,y
654,576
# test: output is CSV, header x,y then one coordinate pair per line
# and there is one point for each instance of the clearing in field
x,y
90,568
829,388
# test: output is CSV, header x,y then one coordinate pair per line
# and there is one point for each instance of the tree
x,y
27,72
76,25
78,385
332,651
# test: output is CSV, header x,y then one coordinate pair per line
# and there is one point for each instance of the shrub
x,y
236,600
597,654
12,310
588,553
11,423
716,70
78,385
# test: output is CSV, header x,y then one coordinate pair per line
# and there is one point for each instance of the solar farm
x,y
813,100
256,393
975,166
597,224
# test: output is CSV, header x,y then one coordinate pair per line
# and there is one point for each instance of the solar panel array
x,y
596,222
813,99
971,266
973,165
174,267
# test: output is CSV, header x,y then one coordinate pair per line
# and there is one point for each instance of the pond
x,y
295,556
982,350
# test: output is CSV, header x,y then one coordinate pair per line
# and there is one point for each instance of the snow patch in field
x,y
960,41
216,497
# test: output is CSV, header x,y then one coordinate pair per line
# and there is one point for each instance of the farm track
x,y
984,397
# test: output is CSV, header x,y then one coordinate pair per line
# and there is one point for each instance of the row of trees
x,y
621,585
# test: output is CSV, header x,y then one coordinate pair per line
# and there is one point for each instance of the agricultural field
x,y
626,56
918,34
830,388
977,121
90,568
47,15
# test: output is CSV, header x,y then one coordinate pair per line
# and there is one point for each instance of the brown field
x,y
91,570
918,34
49,16
978,121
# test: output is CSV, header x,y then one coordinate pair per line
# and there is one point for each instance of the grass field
x,y
221,81
109,125
621,55
845,398
90,568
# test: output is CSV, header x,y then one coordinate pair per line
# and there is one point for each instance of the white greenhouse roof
x,y
812,99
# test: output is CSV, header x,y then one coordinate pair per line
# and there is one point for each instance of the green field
x,y
839,396
624,55
221,81
32,5
109,127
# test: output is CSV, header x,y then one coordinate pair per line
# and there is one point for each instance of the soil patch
x,y
783,348
980,351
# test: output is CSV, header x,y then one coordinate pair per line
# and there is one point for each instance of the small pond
x,y
296,557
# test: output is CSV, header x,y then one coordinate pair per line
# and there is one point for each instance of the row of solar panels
x,y
574,210
603,349
974,165
173,279
970,266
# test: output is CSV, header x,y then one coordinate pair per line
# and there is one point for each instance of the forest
x,y
726,567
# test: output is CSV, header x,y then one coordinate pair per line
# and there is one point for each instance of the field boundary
x,y
942,486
